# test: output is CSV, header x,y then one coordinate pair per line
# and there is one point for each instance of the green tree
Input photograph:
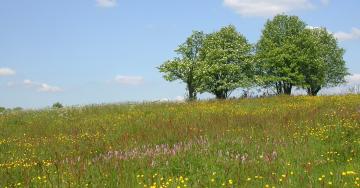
x,y
322,62
277,53
185,67
17,109
57,105
226,62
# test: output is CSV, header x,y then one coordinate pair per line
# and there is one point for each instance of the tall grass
x,y
268,142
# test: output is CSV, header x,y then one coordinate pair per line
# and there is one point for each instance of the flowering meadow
x,y
267,142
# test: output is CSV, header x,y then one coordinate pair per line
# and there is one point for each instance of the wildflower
x,y
230,182
350,173
212,180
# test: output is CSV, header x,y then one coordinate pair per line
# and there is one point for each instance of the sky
x,y
106,51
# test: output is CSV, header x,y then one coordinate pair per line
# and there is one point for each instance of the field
x,y
266,142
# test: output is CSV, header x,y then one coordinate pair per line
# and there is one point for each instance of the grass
x,y
268,142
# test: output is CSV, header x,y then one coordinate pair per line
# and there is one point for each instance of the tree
x,y
322,62
185,67
17,109
226,62
57,105
277,53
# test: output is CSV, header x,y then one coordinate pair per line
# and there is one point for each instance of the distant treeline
x,y
289,54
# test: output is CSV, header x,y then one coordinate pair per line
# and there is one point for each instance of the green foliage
x,y
290,55
2,109
17,109
226,62
287,55
57,105
278,62
322,62
185,67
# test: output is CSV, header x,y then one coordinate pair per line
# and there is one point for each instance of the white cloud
x,y
176,99
129,80
353,79
179,99
267,7
312,27
353,35
28,82
325,2
48,88
164,100
106,3
41,87
6,72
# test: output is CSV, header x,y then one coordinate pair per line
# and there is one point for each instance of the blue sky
x,y
103,51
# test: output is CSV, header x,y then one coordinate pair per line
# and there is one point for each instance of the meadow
x,y
266,142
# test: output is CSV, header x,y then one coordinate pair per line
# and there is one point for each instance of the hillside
x,y
267,142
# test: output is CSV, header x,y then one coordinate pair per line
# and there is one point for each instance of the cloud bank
x,y
353,79
41,87
106,3
129,80
352,35
6,72
267,8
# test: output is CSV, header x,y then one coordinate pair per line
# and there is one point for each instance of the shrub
x,y
57,105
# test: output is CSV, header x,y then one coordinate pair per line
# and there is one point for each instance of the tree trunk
x,y
283,88
221,94
192,92
313,91
279,88
287,88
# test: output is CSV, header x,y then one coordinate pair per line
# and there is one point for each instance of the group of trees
x,y
288,55
16,109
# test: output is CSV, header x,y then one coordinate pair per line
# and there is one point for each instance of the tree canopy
x,y
289,54
226,62
185,67
277,53
322,63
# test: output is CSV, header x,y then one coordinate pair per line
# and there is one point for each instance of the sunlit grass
x,y
268,142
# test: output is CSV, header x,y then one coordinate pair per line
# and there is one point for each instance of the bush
x,y
57,105
17,109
